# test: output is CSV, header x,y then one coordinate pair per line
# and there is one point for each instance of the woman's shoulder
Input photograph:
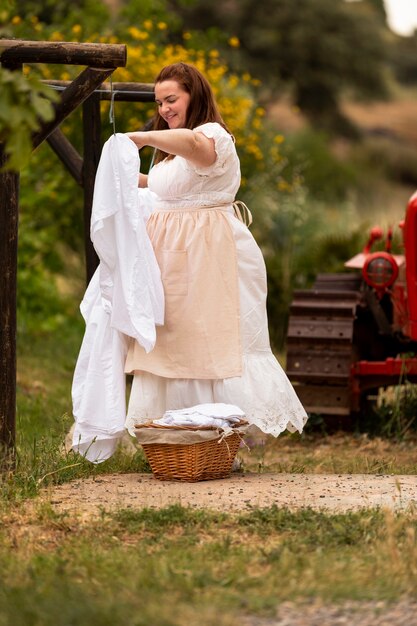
x,y
212,130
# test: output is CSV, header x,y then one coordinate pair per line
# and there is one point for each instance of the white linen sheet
x,y
124,299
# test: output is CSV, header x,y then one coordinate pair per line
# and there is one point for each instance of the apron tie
x,y
242,212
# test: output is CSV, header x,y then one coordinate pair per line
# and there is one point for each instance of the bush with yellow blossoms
x,y
50,199
148,50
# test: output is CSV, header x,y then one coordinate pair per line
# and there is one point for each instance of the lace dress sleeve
x,y
223,145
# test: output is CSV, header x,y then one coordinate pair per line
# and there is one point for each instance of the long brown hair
x,y
202,107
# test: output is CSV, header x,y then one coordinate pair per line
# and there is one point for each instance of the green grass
x,y
339,453
176,566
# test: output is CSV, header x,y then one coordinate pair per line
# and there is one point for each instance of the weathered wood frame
x,y
102,60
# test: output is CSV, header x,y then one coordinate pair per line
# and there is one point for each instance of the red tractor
x,y
355,332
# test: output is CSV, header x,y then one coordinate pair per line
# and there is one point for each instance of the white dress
x,y
217,348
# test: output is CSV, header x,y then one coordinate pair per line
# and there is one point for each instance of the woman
x,y
214,345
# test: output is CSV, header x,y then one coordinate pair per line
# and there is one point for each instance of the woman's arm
x,y
143,180
194,147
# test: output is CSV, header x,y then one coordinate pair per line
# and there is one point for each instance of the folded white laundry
x,y
219,415
213,409
197,420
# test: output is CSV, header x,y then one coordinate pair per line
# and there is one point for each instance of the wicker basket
x,y
205,460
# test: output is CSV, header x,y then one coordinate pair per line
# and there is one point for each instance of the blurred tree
x,y
320,48
404,59
377,7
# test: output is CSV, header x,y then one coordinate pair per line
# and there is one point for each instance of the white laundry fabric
x,y
210,409
217,414
124,299
195,420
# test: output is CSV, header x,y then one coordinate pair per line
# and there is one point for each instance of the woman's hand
x,y
139,138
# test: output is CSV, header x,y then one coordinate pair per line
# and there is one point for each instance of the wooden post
x,y
9,215
9,201
92,152
102,58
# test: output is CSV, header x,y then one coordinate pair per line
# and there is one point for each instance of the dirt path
x,y
239,492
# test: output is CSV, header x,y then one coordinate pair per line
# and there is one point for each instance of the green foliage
x,y
327,177
50,235
25,103
386,156
395,414
60,14
135,12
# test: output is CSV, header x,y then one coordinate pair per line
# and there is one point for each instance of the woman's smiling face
x,y
172,101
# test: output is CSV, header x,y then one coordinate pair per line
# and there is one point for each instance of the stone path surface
x,y
352,613
239,492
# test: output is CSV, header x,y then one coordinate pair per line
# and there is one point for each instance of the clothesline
x,y
139,93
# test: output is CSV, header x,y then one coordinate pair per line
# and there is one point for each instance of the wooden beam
x,y
126,92
93,54
69,156
74,95
92,153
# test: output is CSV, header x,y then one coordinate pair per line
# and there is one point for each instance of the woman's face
x,y
172,101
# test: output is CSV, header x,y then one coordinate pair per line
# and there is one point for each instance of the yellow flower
x,y
283,185
186,35
147,24
76,29
279,139
162,25
137,34
16,20
234,42
132,30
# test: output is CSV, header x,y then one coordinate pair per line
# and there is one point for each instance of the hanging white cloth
x,y
124,299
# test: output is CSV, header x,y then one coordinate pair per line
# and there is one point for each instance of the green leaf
x,y
42,107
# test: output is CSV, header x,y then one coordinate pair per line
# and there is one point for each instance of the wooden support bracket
x,y
75,94
69,156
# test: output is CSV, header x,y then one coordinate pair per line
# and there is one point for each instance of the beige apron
x,y
200,339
